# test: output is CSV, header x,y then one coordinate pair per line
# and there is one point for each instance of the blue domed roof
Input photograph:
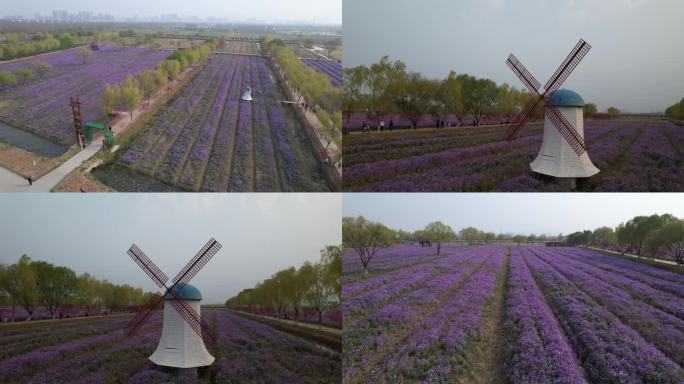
x,y
565,98
187,292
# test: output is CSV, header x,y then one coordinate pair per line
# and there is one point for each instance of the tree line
x,y
387,87
314,88
317,286
143,85
676,109
33,283
655,233
644,236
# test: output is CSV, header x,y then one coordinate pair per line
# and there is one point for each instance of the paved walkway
x,y
635,256
12,182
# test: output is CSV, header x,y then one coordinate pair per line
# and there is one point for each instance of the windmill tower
x,y
556,157
180,346
564,152
247,95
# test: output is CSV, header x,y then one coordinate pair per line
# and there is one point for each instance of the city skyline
x,y
300,12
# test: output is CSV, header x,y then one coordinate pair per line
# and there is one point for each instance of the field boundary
x,y
670,266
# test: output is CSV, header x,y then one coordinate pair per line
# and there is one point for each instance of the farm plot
x,y
632,155
41,106
560,315
240,47
330,68
302,52
208,139
96,351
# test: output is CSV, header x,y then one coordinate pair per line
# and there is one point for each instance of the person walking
x,y
30,180
381,126
391,125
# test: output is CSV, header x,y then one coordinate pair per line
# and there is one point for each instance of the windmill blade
x,y
522,118
201,258
523,74
147,265
566,130
191,317
144,314
567,66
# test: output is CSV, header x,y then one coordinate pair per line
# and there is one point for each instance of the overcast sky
x,y
260,234
635,62
538,213
272,11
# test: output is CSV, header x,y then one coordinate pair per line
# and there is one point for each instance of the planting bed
x,y
41,105
632,156
208,139
567,316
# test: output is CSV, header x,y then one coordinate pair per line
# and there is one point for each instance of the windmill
x,y
563,153
181,344
247,95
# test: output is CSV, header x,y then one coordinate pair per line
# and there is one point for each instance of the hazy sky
x,y
320,11
547,213
260,234
635,62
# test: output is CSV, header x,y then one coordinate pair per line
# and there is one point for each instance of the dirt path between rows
x,y
488,359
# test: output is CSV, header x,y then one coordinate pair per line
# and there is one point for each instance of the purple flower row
x,y
332,69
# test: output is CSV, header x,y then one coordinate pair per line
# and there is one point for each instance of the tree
x,y
579,238
296,284
640,227
331,259
439,233
414,96
365,237
85,54
319,295
671,237
41,68
110,97
121,42
590,110
21,284
7,78
352,84
148,82
131,96
519,239
86,289
479,96
24,75
453,96
471,234
604,237
613,111
54,284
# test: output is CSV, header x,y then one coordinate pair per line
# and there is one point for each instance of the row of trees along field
x,y
317,286
676,109
314,87
367,238
18,45
129,94
644,236
387,87
31,284
38,69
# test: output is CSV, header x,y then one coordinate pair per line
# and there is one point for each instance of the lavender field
x,y
41,105
511,314
208,139
246,351
330,68
632,155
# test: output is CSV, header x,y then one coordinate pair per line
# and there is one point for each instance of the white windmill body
x,y
556,157
180,346
247,95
